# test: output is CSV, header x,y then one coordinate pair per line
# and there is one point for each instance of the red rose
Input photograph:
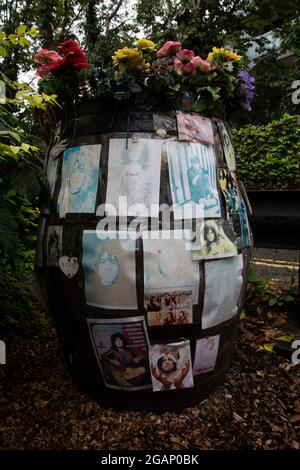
x,y
74,55
78,60
65,46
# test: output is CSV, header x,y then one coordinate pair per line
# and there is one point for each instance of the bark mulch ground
x,y
258,407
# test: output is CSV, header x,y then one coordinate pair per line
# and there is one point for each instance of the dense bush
x,y
19,309
268,156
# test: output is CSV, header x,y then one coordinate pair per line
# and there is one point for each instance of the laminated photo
x,y
54,245
121,348
227,147
223,285
168,263
229,186
171,366
245,227
192,171
169,307
80,176
134,175
215,239
236,223
109,269
194,128
206,354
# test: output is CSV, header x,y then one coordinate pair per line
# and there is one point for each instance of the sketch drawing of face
x,y
109,268
78,177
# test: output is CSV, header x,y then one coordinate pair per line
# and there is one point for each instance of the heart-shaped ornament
x,y
69,266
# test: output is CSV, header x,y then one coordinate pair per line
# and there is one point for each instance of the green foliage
x,y
260,292
268,155
19,310
22,179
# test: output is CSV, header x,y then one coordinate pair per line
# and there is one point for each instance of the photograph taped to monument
x,y
223,284
192,170
206,354
227,147
121,346
80,177
54,244
168,263
109,270
229,186
194,128
245,227
169,306
215,239
134,175
171,366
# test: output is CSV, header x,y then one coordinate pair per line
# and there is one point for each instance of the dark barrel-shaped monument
x,y
146,320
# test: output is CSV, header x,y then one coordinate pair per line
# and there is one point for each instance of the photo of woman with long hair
x,y
214,242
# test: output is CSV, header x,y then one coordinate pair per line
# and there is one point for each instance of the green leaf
x,y
21,29
289,298
12,134
287,338
15,149
3,52
273,301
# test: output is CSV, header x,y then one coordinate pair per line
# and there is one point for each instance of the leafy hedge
x,y
268,156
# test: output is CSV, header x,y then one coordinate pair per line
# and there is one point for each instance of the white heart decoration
x,y
69,266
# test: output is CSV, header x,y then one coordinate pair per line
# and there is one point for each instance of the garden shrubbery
x,y
268,156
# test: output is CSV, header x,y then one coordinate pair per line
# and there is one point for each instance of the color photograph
x,y
169,307
194,128
229,186
192,170
121,348
109,268
206,354
80,177
171,366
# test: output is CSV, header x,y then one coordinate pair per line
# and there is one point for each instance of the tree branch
x,y
112,15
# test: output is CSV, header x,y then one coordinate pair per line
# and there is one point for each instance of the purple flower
x,y
247,88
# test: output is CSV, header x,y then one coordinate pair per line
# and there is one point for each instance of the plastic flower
x,y
201,64
75,57
125,54
189,68
146,45
178,66
226,55
185,55
247,89
169,48
51,62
